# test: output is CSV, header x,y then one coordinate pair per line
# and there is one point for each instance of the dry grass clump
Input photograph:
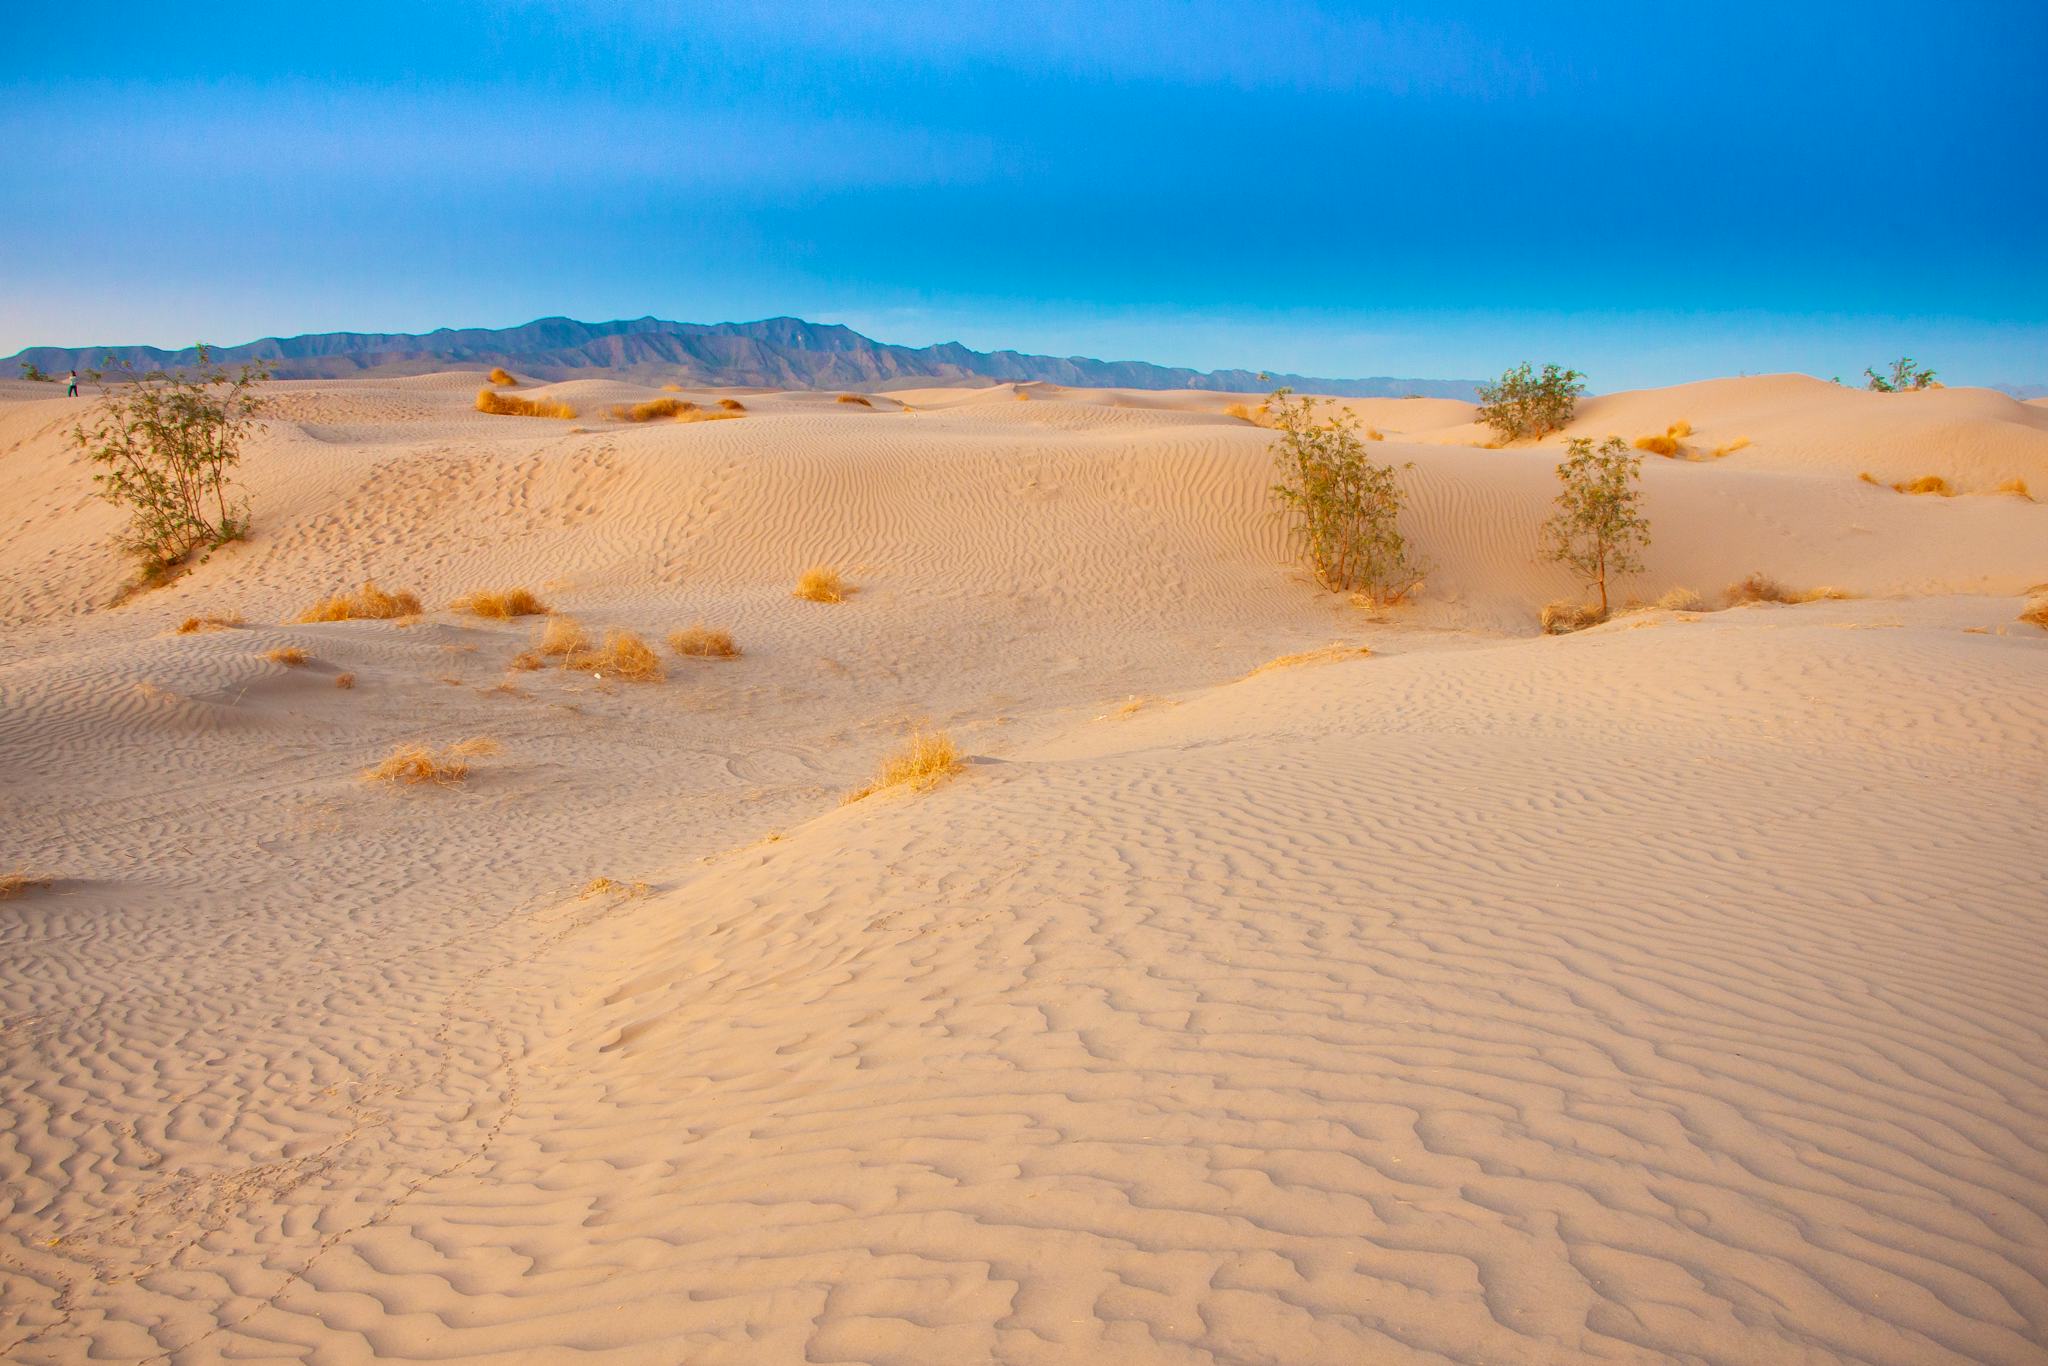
x,y
1739,443
502,605
861,399
1927,483
560,636
2036,613
368,603
671,388
1375,434
1256,416
1681,600
1328,654
513,405
822,583
344,681
291,656
929,759
1562,618
18,880
651,409
527,661
416,764
703,642
1670,445
192,626
475,747
605,886
2016,486
500,375
1763,588
623,654
732,405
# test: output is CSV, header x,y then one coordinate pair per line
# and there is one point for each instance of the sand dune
x,y
1670,991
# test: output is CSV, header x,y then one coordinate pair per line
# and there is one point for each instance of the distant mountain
x,y
779,353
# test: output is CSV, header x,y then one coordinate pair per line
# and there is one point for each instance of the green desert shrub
x,y
1598,526
1526,404
1346,509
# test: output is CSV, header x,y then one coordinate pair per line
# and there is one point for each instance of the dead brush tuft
x,y
703,642
1670,445
623,655
500,375
821,583
1738,444
671,388
1328,654
291,656
514,405
368,603
559,636
192,626
1681,600
2036,613
860,399
1256,416
2017,487
1562,618
475,747
16,881
413,765
344,681
1927,483
605,886
732,405
652,409
928,760
502,605
1764,588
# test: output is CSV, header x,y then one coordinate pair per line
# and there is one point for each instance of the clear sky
x,y
1649,191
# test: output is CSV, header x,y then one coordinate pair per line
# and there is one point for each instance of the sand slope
x,y
1665,992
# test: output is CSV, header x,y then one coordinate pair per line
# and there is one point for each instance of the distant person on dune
x,y
71,385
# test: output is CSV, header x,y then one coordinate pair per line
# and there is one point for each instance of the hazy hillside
x,y
777,353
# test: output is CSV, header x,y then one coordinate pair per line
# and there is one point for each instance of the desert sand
x,y
1676,990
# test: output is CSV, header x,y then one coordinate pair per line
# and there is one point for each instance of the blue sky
x,y
1652,192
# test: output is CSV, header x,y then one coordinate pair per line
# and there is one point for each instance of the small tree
x,y
1599,525
1348,509
1528,404
31,371
166,442
1905,375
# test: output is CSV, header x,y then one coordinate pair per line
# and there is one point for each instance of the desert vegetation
x,y
612,887
291,656
560,635
1328,654
860,399
192,626
2035,613
16,881
1562,618
1906,375
344,681
167,444
703,642
1926,484
516,405
2016,487
1525,404
1680,600
928,760
414,765
501,605
1598,526
367,603
622,654
1763,588
500,375
1670,443
1346,509
732,405
821,583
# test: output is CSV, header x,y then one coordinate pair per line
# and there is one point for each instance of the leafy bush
x,y
1904,376
1348,509
167,443
31,371
1598,526
1525,404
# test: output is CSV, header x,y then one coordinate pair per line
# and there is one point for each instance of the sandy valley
x,y
1675,990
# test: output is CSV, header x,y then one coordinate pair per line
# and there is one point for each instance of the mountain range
x,y
779,353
